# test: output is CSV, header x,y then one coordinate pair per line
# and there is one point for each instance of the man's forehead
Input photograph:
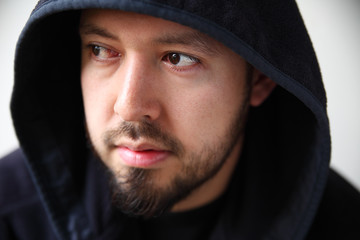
x,y
114,24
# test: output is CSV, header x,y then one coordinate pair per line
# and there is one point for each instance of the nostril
x,y
137,110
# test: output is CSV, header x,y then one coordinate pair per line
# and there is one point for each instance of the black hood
x,y
288,141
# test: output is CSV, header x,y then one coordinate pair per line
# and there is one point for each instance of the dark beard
x,y
136,194
139,197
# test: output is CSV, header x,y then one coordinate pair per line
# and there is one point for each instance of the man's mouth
x,y
142,156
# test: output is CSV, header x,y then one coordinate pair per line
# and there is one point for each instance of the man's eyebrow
x,y
194,39
197,40
91,29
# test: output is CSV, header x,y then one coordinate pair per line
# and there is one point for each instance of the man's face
x,y
165,108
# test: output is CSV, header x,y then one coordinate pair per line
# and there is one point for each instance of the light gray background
x,y
335,31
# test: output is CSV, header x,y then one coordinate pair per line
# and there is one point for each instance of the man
x,y
171,120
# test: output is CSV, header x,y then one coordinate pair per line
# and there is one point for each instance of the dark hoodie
x,y
52,188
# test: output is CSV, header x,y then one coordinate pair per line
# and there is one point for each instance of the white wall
x,y
334,28
13,15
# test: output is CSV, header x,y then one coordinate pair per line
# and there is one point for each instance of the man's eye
x,y
180,60
103,53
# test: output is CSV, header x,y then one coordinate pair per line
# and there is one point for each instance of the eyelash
x,y
193,61
93,47
166,58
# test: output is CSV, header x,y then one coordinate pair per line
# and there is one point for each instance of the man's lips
x,y
143,157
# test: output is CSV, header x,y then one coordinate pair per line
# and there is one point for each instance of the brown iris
x,y
174,58
96,50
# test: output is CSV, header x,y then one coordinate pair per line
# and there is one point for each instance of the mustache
x,y
145,130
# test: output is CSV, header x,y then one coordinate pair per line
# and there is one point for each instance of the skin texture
x,y
165,109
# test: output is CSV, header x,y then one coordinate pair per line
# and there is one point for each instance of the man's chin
x,y
135,194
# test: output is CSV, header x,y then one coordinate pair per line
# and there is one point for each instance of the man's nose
x,y
137,97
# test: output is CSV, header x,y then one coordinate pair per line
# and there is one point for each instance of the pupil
x,y
174,58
